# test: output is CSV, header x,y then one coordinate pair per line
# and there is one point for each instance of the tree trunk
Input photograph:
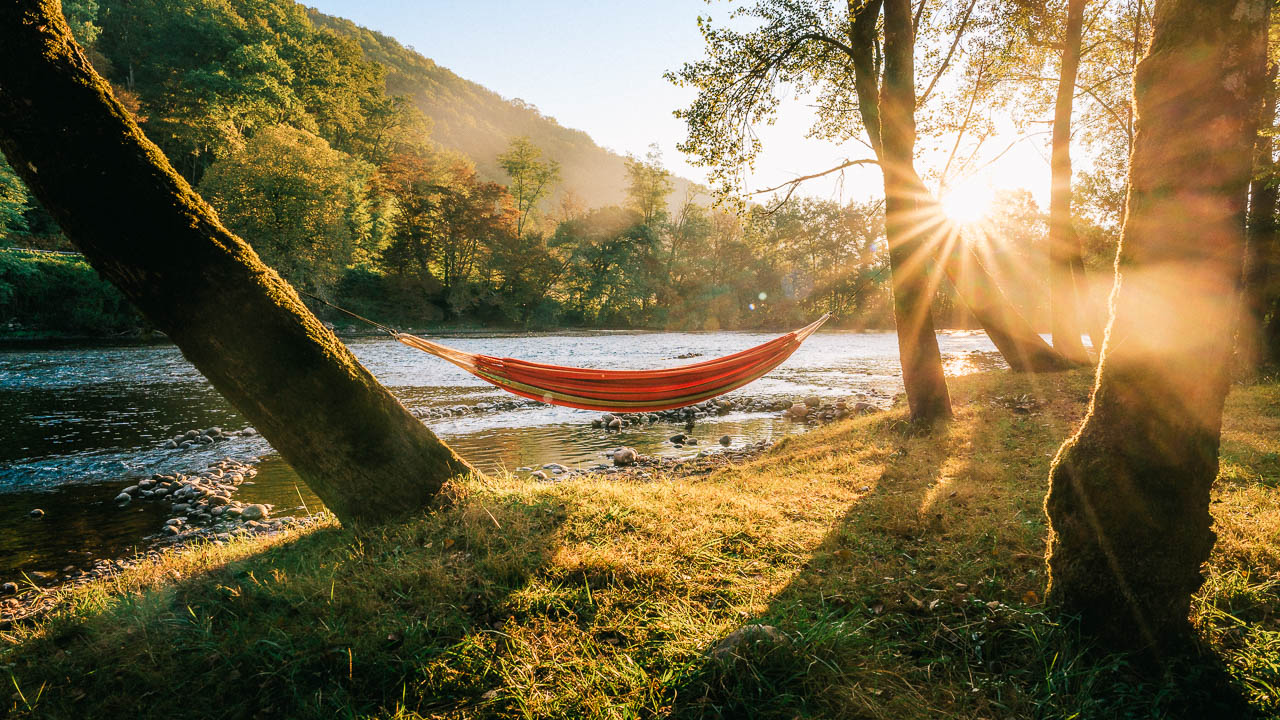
x,y
1261,288
144,229
1021,346
1128,503
1066,285
922,376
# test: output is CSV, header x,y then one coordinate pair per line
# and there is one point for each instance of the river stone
x,y
253,512
132,489
813,401
691,441
191,434
678,439
615,424
37,513
865,408
538,475
8,588
171,445
798,411
124,498
751,642
625,456
725,440
180,508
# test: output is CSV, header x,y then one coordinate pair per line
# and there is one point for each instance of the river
x,y
79,423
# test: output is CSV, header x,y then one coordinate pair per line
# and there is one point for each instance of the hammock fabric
x,y
623,390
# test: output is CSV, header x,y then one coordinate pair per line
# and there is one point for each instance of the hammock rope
x,y
615,390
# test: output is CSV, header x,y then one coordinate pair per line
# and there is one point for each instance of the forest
x,y
341,158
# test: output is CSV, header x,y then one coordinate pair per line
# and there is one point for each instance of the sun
x,y
968,203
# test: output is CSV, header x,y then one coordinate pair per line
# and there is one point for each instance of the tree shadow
x,y
335,621
924,600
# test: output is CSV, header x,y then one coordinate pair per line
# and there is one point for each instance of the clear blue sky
x,y
597,67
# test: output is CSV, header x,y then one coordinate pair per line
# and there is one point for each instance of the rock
x,y
132,489
798,411
597,423
750,642
691,441
171,530
615,424
538,475
865,408
217,500
725,440
124,498
524,469
171,445
37,513
678,438
813,401
213,431
625,456
180,508
253,512
191,434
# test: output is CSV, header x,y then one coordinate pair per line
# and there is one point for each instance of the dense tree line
x,y
287,129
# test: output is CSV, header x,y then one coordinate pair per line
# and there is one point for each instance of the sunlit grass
x,y
905,571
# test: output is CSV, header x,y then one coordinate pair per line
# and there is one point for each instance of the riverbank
x,y
858,570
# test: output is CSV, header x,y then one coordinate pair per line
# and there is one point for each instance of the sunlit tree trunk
x,y
143,228
1128,503
1066,285
922,375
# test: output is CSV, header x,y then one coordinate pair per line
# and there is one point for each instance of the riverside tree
x,y
1128,504
144,229
848,58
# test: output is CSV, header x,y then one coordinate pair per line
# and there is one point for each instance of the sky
x,y
598,67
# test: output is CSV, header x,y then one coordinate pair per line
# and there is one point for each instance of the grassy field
x,y
902,574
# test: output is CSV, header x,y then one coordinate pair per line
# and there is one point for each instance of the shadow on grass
x,y
333,623
924,601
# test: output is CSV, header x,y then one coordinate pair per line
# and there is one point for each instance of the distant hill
x,y
479,123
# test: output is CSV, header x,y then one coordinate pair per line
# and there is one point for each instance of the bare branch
x,y
796,181
968,12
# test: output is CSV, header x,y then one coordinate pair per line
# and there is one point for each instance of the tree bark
x,y
909,251
144,229
1262,287
1066,278
1128,504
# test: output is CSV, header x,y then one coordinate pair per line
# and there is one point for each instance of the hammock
x,y
623,390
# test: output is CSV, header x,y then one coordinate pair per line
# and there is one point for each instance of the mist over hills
x,y
471,119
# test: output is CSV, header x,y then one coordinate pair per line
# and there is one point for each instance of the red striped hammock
x,y
623,390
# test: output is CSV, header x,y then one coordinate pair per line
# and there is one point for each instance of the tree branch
x,y
955,42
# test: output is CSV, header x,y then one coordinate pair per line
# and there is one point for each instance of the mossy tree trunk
x,y
1066,276
1128,504
144,229
909,250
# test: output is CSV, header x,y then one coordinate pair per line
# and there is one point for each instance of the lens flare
x,y
967,204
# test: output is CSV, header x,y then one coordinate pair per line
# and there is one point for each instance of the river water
x,y
77,424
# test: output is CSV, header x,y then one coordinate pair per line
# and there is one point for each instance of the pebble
x,y
124,498
37,513
253,512
725,440
625,456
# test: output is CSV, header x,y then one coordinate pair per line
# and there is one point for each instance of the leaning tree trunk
x,y
909,251
1128,503
1009,331
1066,277
143,228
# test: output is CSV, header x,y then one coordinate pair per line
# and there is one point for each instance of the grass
x,y
904,570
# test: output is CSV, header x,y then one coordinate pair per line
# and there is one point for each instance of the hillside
x,y
478,122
